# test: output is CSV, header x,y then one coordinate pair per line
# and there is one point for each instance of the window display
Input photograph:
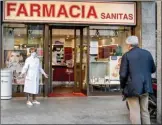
x,y
107,45
57,54
114,67
17,40
14,60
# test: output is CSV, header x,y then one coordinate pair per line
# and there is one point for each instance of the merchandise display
x,y
57,54
23,39
114,66
14,61
62,57
105,59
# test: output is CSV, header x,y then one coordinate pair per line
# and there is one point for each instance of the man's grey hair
x,y
132,40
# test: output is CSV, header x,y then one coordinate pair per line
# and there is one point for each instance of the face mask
x,y
34,54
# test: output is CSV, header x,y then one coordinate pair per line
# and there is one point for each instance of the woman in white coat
x,y
32,68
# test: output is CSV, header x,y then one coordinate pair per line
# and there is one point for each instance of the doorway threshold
x,y
67,95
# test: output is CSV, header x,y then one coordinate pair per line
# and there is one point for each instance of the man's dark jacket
x,y
136,68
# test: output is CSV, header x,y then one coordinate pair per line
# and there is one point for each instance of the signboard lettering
x,y
70,12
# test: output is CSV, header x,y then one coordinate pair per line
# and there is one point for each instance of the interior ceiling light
x,y
97,33
10,31
30,32
115,33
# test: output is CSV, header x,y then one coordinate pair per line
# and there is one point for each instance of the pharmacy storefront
x,y
79,44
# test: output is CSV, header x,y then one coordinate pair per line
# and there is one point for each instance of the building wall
x,y
0,34
148,27
149,41
159,58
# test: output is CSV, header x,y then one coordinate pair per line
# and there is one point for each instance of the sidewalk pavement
x,y
66,110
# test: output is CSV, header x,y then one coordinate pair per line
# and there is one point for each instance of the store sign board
x,y
121,13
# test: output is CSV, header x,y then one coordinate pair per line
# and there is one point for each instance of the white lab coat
x,y
32,68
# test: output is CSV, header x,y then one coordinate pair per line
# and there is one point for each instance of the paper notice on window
x,y
94,47
94,44
93,50
8,43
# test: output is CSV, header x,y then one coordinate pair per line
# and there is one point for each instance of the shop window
x,y
17,40
107,45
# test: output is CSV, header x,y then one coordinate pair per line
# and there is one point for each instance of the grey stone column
x,y
159,59
0,34
148,27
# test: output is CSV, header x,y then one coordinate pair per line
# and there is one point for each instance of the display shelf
x,y
59,50
22,84
99,62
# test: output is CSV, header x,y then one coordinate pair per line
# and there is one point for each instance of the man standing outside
x,y
136,68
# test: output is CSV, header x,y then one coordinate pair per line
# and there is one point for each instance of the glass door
x,y
50,88
73,42
61,60
81,59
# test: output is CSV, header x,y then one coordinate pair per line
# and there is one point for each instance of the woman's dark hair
x,y
33,49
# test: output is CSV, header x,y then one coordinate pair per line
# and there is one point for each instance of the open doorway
x,y
68,61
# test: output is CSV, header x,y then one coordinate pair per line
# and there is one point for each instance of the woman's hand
x,y
21,76
45,75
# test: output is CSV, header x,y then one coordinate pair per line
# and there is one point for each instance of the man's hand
x,y
122,91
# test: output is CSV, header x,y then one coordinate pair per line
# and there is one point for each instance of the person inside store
x,y
136,68
113,53
118,51
31,70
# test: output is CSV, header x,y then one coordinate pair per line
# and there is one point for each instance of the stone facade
x,y
149,41
148,27
0,35
159,58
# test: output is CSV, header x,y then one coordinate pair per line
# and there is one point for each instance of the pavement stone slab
x,y
66,110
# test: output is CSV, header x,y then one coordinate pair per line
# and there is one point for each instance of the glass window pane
x,y
35,39
107,45
17,39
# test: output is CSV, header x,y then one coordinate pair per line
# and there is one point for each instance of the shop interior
x,y
17,40
81,59
107,45
69,65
